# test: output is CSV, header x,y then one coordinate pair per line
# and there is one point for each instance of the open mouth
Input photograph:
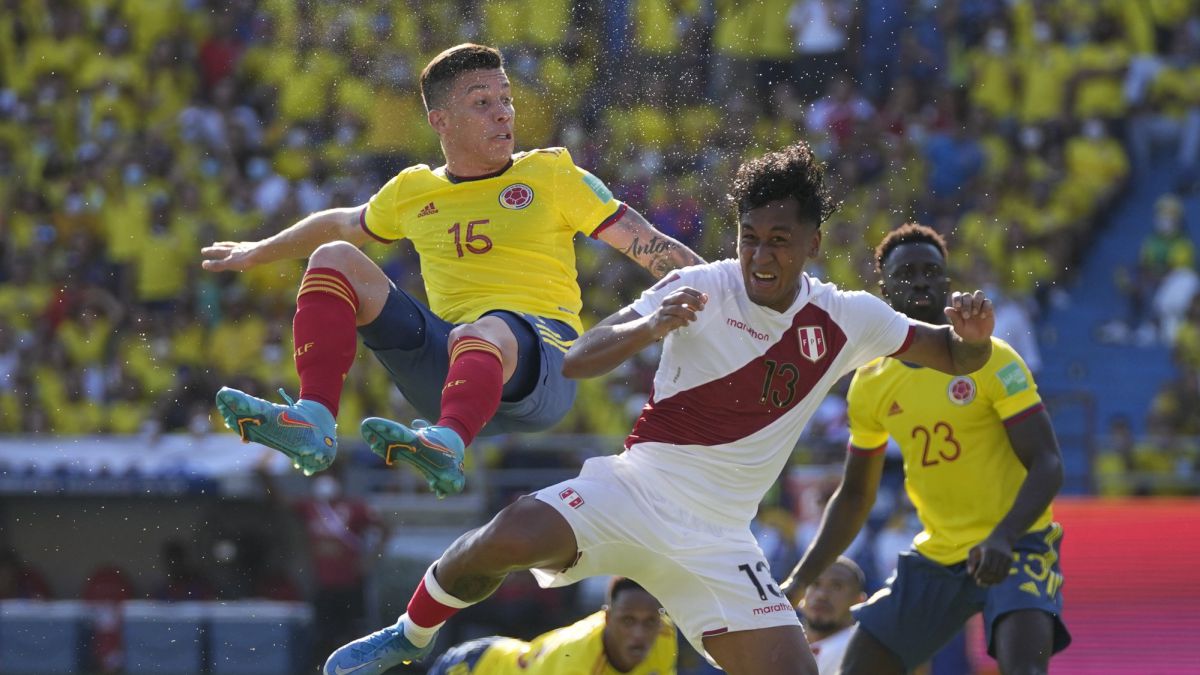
x,y
503,137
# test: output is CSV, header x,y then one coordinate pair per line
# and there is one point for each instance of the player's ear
x,y
814,244
437,119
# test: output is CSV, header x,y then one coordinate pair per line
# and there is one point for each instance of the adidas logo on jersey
x,y
429,210
895,409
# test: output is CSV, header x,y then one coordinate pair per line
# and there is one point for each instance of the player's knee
x,y
490,329
339,255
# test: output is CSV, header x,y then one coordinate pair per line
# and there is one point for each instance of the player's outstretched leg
x,y
526,534
435,452
305,431
483,356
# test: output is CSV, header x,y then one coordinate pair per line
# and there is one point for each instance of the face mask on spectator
x,y
997,41
1166,225
1093,129
1042,32
134,174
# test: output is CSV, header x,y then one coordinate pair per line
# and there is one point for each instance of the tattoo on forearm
x,y
474,588
655,246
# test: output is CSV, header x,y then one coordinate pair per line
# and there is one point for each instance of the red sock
x,y
325,334
473,385
430,605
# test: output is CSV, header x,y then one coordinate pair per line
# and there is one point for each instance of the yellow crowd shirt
x,y
960,471
577,649
498,242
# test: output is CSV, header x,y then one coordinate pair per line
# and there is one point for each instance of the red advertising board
x,y
1132,601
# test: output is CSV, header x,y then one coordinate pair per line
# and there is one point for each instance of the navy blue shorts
x,y
925,604
535,398
460,659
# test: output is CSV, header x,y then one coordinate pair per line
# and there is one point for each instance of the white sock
x,y
417,635
420,636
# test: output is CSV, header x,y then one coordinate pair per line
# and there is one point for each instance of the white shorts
x,y
711,578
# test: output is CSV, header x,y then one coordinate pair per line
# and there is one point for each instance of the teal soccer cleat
x,y
436,452
306,431
375,653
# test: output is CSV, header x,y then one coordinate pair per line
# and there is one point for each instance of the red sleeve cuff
x,y
609,221
912,332
1031,410
362,222
865,452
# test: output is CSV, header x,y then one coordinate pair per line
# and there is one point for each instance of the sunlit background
x,y
1055,144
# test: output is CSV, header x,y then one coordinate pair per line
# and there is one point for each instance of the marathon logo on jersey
x,y
812,342
742,325
571,497
777,607
516,196
961,390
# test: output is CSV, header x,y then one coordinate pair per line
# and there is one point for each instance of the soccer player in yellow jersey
x,y
630,635
981,465
494,230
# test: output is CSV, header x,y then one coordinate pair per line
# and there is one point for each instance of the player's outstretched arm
x,y
962,347
610,342
844,516
297,241
1035,444
634,236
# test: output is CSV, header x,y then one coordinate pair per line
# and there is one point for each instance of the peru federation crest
x,y
812,342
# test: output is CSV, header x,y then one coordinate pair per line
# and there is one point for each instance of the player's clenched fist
x,y
971,316
677,310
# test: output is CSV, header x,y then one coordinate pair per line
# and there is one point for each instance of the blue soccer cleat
x,y
306,431
436,452
376,653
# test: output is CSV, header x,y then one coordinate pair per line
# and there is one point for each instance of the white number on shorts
x,y
758,586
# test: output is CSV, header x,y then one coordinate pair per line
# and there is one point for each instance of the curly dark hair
x,y
909,233
439,75
790,172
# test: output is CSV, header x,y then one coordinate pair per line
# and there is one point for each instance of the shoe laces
x,y
287,398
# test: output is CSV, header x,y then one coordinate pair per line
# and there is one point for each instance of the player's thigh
x,y
527,533
923,606
1024,641
866,655
763,651
1034,583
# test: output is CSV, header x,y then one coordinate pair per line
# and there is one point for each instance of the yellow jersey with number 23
x,y
960,470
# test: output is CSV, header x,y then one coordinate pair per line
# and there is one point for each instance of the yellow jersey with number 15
x,y
960,470
497,242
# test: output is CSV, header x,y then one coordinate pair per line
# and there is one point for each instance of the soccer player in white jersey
x,y
751,347
825,611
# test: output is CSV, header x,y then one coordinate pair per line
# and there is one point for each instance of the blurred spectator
x,y
106,588
1154,306
19,580
344,538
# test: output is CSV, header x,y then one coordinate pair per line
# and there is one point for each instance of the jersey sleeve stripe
x,y
1031,410
362,222
609,221
912,332
865,452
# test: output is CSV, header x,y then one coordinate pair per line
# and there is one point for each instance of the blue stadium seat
x,y
164,637
258,637
42,638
